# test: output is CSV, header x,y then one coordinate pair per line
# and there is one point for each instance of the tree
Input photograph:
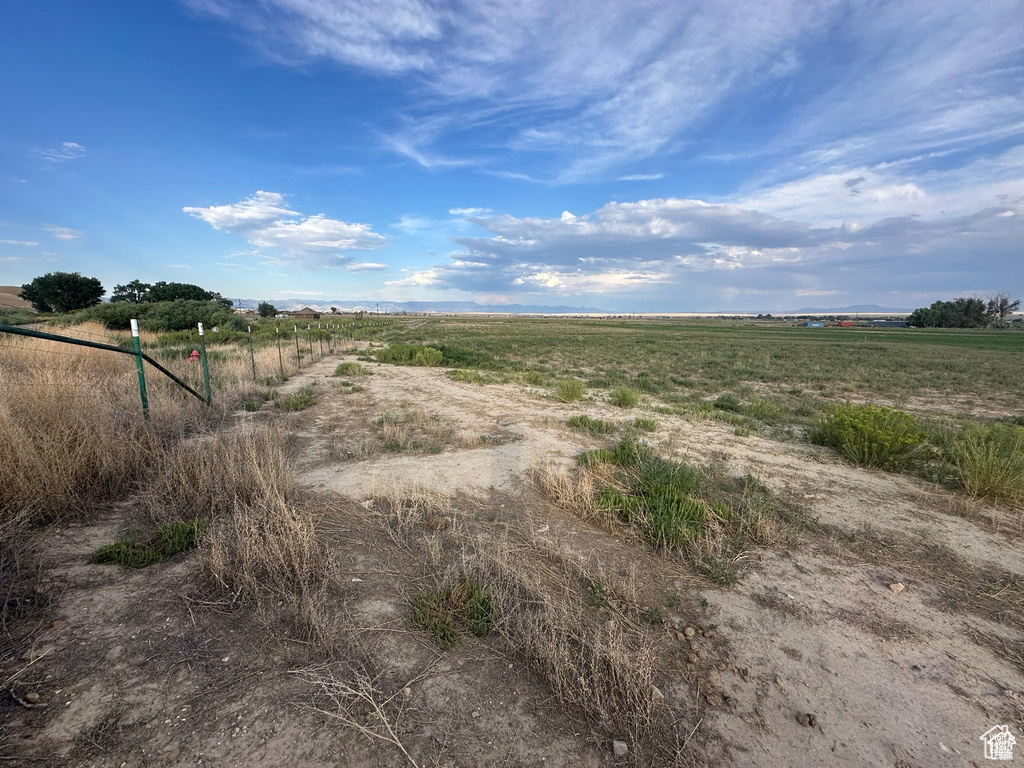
x,y
62,292
1001,306
958,313
334,310
164,291
135,292
266,309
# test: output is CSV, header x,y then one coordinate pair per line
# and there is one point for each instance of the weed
x,y
349,369
344,383
300,400
728,402
570,390
471,377
741,431
673,600
166,541
625,397
597,595
594,426
252,405
534,378
596,456
875,436
654,616
645,425
988,461
466,605
428,357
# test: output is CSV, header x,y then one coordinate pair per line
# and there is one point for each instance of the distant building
x,y
887,323
846,323
814,324
305,313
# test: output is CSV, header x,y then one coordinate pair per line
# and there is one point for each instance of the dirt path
x,y
140,671
892,680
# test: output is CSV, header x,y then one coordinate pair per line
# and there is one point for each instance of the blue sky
x,y
667,156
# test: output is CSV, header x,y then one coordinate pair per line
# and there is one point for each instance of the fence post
x,y
252,357
138,364
321,336
280,360
309,338
298,356
206,367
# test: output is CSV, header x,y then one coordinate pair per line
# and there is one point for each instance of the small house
x,y
306,313
814,324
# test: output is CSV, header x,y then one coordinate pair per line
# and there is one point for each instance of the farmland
x,y
551,542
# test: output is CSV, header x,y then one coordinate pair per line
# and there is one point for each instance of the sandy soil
x,y
140,671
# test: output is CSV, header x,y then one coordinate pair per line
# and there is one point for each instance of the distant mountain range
x,y
345,305
871,309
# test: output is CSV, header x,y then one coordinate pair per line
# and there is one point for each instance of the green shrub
x,y
300,400
645,425
741,432
768,411
11,316
166,541
252,405
534,378
988,461
875,436
570,390
349,369
625,397
728,402
428,357
594,426
465,605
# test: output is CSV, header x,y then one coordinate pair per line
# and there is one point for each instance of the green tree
x,y
135,292
958,313
266,309
164,291
62,292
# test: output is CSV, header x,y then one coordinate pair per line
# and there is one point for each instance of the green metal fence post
x,y
280,359
321,336
309,338
252,356
138,364
298,355
206,367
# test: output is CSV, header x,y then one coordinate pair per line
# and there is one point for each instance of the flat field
x,y
549,543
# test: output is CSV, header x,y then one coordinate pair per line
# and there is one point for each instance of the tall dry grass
x,y
74,436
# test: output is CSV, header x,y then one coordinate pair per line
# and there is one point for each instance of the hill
x,y
9,298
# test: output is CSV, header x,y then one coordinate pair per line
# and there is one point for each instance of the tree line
x,y
64,292
966,312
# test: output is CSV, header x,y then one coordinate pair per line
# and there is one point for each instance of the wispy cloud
x,y
64,233
68,150
24,243
178,266
366,266
267,222
642,177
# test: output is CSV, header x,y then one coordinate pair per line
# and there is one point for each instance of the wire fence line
x,y
328,333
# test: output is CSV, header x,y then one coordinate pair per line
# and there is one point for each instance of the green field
x,y
688,360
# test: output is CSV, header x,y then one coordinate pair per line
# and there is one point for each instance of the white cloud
x,y
416,279
68,150
366,266
267,222
469,212
178,266
412,224
64,233
642,177
25,243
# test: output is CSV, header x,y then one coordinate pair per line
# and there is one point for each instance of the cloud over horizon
x,y
311,242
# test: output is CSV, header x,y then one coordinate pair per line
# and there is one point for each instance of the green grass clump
x,y
728,402
594,426
875,436
768,411
625,397
252,405
299,401
165,542
466,605
645,425
988,461
570,390
592,458
534,378
428,357
349,369
471,377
